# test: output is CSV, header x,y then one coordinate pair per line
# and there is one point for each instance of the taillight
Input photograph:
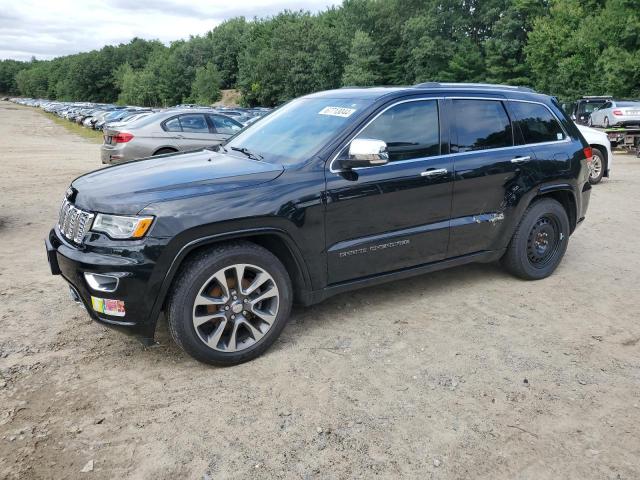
x,y
588,153
618,112
122,137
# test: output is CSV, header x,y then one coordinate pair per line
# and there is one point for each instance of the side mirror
x,y
366,152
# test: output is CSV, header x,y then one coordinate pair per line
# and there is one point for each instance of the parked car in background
x,y
167,132
130,117
615,113
584,106
601,149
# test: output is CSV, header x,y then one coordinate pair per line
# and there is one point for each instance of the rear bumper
x,y
122,152
583,198
626,122
133,287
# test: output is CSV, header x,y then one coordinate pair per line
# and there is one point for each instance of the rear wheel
x,y
606,122
230,303
597,168
540,241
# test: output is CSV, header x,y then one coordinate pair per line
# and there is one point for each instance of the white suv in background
x,y
602,156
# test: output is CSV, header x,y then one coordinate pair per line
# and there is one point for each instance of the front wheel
x,y
230,303
597,168
540,241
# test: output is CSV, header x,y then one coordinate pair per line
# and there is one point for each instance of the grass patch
x,y
93,135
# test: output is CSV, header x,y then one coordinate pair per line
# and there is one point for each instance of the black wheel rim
x,y
543,241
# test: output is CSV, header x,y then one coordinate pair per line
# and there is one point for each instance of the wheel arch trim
x,y
555,191
189,247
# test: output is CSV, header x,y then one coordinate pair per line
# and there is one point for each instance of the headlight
x,y
120,227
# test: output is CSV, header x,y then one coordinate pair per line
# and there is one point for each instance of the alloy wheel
x,y
596,167
235,307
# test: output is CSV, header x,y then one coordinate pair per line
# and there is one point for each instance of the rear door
x,y
491,172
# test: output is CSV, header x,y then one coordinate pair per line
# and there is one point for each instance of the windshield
x,y
297,130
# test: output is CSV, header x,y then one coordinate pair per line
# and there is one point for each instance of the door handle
x,y
436,172
520,159
179,136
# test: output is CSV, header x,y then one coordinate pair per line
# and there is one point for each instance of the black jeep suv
x,y
333,191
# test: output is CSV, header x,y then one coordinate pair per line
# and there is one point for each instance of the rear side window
x,y
410,130
536,123
480,125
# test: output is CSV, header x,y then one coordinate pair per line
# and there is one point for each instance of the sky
x,y
51,28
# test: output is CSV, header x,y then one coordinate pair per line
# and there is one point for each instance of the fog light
x,y
102,283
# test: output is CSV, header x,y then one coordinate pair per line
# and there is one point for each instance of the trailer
x,y
627,138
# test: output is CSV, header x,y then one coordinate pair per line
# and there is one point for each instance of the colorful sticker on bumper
x,y
108,306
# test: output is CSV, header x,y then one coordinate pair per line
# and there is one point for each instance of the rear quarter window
x,y
536,123
172,125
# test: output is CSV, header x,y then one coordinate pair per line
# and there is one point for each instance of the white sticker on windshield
x,y
337,111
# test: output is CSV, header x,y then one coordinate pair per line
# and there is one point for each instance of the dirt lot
x,y
466,373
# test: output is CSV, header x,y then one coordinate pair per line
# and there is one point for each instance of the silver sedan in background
x,y
166,132
616,113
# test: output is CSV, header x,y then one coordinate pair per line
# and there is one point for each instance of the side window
x,y
410,130
536,123
194,123
224,125
480,125
172,125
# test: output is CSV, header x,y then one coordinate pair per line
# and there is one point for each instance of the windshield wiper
x,y
247,152
216,148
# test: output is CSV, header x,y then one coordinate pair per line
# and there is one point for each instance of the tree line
x,y
566,48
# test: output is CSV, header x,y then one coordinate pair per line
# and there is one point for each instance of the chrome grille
x,y
73,222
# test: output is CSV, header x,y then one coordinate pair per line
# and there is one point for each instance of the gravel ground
x,y
465,373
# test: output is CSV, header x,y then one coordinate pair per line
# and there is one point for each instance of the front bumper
x,y
134,267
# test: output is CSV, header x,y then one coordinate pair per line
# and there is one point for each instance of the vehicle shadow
x,y
332,312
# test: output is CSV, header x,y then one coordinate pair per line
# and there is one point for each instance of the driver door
x,y
393,216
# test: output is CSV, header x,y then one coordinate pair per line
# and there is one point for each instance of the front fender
x,y
163,284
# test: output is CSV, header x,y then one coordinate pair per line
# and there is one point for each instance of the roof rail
x,y
472,85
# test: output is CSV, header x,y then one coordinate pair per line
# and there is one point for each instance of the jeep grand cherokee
x,y
333,191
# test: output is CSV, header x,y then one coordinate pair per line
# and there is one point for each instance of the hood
x,y
128,188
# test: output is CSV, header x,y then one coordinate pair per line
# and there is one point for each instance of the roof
x,y
374,93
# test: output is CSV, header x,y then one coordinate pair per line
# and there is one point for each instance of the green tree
x,y
205,88
227,42
363,63
587,47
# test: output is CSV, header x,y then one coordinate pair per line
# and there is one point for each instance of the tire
x,y
598,166
527,256
163,151
590,122
606,122
235,334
